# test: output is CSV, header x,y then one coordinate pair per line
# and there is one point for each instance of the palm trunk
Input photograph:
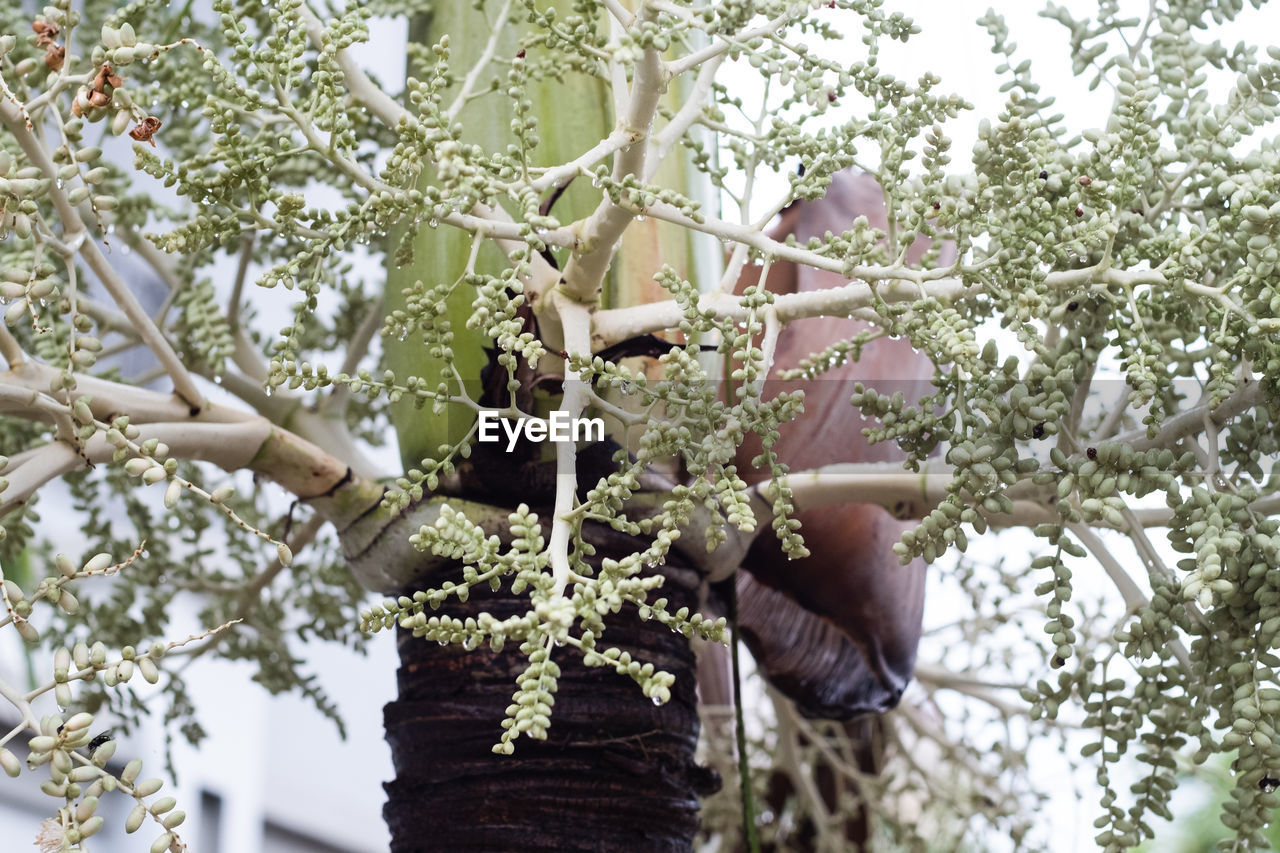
x,y
616,772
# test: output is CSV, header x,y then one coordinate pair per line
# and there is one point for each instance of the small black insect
x,y
1073,305
1044,176
1037,431
1092,453
99,740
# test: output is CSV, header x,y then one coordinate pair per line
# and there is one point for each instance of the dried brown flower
x,y
106,77
46,32
96,95
146,129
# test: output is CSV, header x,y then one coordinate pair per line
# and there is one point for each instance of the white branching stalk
x,y
669,137
575,319
601,232
619,324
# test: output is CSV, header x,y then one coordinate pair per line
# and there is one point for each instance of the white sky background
x,y
952,45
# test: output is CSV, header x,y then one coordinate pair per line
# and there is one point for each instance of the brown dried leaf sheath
x,y
836,631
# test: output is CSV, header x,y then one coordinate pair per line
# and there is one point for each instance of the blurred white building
x,y
271,777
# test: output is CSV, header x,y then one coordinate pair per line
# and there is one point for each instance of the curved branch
x,y
327,430
77,236
230,446
613,325
907,494
110,399
1133,596
226,437
378,102
1194,421
725,44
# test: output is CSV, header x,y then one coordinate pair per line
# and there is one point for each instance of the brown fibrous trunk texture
x,y
616,772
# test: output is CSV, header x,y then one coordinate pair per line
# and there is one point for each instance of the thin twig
x,y
237,284
481,64
1133,596
336,403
